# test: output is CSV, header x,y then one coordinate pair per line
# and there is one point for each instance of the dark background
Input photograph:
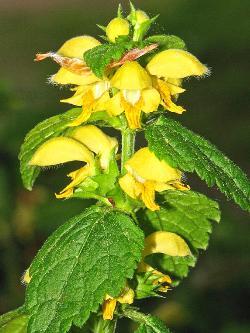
x,y
214,297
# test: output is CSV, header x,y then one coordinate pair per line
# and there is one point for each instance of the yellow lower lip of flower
x,y
167,102
133,112
77,177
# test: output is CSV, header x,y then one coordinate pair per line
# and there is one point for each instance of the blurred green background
x,y
214,297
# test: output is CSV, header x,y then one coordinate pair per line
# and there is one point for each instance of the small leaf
x,y
14,322
148,323
183,149
88,257
166,42
99,57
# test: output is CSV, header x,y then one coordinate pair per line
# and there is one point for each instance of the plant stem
x,y
128,146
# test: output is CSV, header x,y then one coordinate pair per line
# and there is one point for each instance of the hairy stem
x,y
128,146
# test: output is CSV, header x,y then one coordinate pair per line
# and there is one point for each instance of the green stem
x,y
128,146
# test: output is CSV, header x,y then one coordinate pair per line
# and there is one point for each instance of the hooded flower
x,y
146,174
166,243
135,94
84,141
168,68
91,92
109,304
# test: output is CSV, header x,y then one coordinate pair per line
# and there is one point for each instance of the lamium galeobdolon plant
x,y
146,226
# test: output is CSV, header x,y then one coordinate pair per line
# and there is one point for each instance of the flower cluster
x,y
146,78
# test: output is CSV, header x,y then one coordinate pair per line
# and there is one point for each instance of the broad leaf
x,y
166,42
88,257
183,149
186,213
14,322
99,57
148,323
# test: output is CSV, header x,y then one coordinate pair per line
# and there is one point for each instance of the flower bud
x,y
117,27
141,16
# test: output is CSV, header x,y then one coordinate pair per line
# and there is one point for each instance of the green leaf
x,y
166,42
186,213
148,323
183,149
99,57
45,130
14,322
88,257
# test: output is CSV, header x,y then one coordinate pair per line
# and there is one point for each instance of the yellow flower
x,y
109,304
168,68
97,141
117,27
135,95
167,243
75,48
92,98
61,150
80,147
147,175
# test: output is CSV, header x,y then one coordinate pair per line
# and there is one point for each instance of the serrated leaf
x,y
166,42
186,213
14,322
99,57
88,257
148,323
183,149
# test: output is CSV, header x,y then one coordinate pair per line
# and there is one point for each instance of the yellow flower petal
x,y
128,185
167,243
151,100
131,76
175,64
127,296
113,106
145,165
148,195
101,103
64,76
132,112
76,46
117,27
61,150
77,98
77,177
167,102
108,308
97,141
